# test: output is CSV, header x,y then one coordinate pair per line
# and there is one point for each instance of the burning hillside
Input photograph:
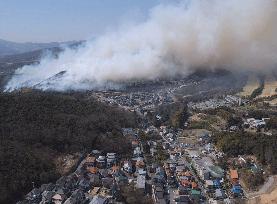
x,y
233,35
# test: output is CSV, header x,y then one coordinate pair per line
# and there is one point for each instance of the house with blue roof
x,y
237,190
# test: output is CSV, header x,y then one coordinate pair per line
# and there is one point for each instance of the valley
x,y
177,124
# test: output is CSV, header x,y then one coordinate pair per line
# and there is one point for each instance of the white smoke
x,y
175,39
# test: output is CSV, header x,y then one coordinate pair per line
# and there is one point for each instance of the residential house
x,y
47,197
94,191
195,195
219,194
216,171
137,152
234,176
183,190
135,143
34,195
92,170
101,161
90,161
84,183
127,166
94,179
209,184
107,182
237,190
58,198
194,185
111,159
77,196
202,165
140,163
141,180
158,194
99,200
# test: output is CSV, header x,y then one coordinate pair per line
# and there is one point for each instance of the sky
x,y
65,20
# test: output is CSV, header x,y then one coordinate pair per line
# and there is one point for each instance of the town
x,y
169,164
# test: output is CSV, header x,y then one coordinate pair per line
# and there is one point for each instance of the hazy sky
x,y
62,20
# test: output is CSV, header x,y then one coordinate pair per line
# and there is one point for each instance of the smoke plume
x,y
233,34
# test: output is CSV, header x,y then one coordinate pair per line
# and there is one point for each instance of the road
x,y
172,195
184,160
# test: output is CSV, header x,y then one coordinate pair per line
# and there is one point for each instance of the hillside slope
x,y
35,127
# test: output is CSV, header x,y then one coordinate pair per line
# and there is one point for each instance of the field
x,y
270,87
252,84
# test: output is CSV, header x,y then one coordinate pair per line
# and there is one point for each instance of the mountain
x,y
9,63
12,48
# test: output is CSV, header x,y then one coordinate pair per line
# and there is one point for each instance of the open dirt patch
x,y
192,136
267,194
65,163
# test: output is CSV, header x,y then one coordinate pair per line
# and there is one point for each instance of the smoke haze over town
x,y
174,40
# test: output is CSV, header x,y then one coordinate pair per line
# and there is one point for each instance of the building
x,y
255,123
101,161
92,170
135,144
216,172
58,198
237,190
234,176
99,200
158,194
202,166
141,181
219,194
111,159
90,161
127,166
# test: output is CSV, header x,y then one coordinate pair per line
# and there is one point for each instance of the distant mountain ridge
x,y
12,48
10,62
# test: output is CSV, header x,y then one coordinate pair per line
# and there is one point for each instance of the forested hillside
x,y
36,126
241,143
